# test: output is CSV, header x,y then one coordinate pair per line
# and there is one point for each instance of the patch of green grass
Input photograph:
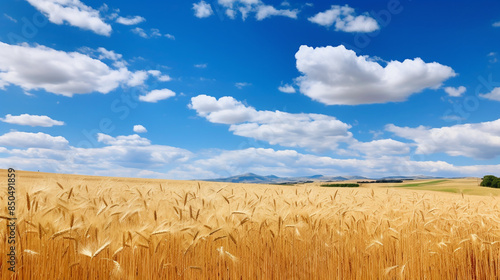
x,y
421,184
452,186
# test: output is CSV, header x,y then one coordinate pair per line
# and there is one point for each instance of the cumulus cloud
x,y
130,151
337,76
455,92
140,129
18,139
496,24
131,154
313,131
130,20
202,66
64,73
202,9
73,12
475,140
225,110
261,10
265,11
287,88
130,140
119,156
106,54
158,75
493,95
345,19
381,147
139,31
157,95
137,78
31,120
153,32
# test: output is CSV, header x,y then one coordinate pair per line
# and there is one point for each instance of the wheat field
x,y
82,227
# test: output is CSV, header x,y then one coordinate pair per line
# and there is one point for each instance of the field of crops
x,y
77,227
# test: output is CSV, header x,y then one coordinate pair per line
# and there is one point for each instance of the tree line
x,y
490,181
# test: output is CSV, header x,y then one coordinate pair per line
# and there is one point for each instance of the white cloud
x,y
139,31
381,147
335,75
33,140
132,154
157,95
493,95
242,85
476,140
161,77
130,20
154,32
130,140
313,131
137,78
120,156
129,152
64,73
496,24
105,54
140,129
287,88
231,13
170,36
202,9
226,110
164,78
265,11
74,12
345,19
202,66
455,92
261,10
317,132
31,120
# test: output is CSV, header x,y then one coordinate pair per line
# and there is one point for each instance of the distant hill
x,y
272,179
415,177
247,178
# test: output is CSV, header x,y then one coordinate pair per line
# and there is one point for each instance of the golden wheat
x,y
73,227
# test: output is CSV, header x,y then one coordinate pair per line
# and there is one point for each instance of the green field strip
x,y
420,184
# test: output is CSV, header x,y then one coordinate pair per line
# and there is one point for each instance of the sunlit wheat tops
x,y
77,228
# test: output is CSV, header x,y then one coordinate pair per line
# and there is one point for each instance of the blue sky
x,y
206,89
